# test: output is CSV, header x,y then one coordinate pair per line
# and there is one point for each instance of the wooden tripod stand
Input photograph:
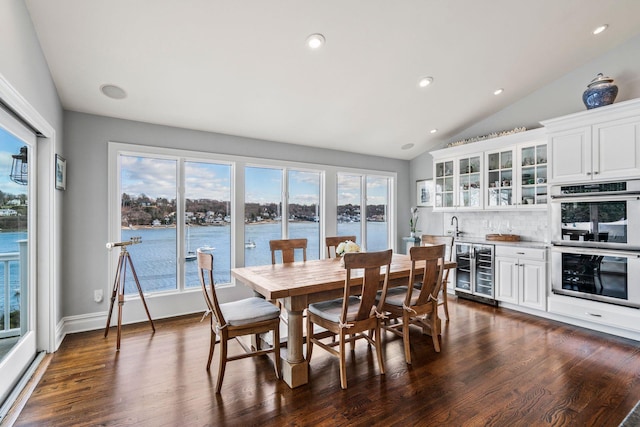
x,y
118,289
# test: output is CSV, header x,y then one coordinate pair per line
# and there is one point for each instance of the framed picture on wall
x,y
61,173
424,192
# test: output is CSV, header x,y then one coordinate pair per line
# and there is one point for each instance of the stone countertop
x,y
483,241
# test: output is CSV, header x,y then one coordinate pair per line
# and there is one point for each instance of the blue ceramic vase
x,y
601,91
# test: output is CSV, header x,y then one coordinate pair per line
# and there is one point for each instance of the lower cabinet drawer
x,y
600,313
521,252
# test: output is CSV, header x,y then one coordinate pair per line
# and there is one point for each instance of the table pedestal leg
x,y
295,369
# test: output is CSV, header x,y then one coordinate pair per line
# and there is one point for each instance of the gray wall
x,y
86,195
24,68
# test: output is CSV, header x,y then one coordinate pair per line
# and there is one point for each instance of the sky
x,y
156,178
9,145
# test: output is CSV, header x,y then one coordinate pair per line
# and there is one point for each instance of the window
x,y
374,234
169,224
178,201
265,219
208,218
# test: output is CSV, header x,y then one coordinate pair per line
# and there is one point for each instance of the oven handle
x,y
595,251
607,197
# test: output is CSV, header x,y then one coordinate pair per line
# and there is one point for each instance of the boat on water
x,y
249,244
191,255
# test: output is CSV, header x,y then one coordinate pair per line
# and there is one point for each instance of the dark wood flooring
x,y
497,368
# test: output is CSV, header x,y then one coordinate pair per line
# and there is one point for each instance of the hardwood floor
x,y
497,368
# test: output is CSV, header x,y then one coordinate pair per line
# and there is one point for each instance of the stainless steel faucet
x,y
457,232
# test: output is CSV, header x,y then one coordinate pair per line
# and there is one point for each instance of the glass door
x,y
17,285
444,184
500,177
483,260
533,175
469,173
464,255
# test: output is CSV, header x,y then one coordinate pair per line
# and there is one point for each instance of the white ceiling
x,y
242,67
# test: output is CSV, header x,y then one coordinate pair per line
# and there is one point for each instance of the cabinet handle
x,y
588,173
596,173
593,314
520,253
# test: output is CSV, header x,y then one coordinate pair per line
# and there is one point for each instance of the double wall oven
x,y
595,232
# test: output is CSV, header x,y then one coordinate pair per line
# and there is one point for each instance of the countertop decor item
x,y
413,221
600,92
503,237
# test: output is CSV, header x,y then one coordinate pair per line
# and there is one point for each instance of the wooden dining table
x,y
298,284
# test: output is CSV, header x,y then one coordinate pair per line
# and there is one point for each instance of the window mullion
x,y
180,225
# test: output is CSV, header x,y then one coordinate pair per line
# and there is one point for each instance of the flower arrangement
x,y
347,247
413,221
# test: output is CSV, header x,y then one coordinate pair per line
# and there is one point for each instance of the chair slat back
x,y
333,242
370,263
427,261
205,273
428,239
288,247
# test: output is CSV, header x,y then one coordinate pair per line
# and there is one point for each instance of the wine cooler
x,y
474,277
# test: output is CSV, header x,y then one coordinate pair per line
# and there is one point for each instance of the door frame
x,y
48,227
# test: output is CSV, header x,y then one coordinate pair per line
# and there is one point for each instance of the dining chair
x,y
350,316
428,239
417,304
287,248
333,242
249,316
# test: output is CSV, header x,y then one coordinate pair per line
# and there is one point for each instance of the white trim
x,y
238,164
48,258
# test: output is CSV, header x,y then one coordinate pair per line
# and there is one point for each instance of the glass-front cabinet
x,y
458,183
500,191
469,182
444,193
533,175
506,172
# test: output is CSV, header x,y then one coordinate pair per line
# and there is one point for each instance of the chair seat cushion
x,y
249,310
332,309
396,296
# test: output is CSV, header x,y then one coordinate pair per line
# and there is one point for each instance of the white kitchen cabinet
x,y
616,149
444,184
492,178
599,144
458,183
521,276
517,176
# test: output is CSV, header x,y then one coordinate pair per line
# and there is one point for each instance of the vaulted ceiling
x,y
243,68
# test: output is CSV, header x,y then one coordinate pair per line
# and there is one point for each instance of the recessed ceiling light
x,y
600,29
407,146
498,91
425,81
433,131
315,41
113,91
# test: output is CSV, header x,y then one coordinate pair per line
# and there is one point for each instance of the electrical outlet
x,y
449,232
97,295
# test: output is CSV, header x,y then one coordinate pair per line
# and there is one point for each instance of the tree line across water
x,y
143,210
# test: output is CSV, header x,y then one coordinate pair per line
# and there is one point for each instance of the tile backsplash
x,y
529,225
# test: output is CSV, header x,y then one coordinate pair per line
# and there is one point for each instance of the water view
x,y
155,258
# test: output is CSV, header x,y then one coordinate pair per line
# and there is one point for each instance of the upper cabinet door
x,y
469,182
616,149
444,187
571,155
532,179
500,177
